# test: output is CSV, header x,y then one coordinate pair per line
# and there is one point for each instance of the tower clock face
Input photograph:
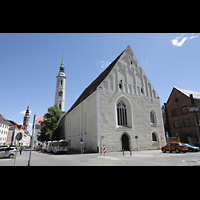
x,y
60,94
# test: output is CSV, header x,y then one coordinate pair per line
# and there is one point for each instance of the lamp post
x,y
29,161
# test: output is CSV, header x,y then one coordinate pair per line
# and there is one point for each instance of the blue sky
x,y
29,65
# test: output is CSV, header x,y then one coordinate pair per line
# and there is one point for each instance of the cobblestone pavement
x,y
140,158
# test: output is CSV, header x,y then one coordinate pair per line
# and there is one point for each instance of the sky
x,y
29,64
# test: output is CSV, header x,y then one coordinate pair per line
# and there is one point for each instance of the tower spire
x,y
60,87
63,58
62,67
26,119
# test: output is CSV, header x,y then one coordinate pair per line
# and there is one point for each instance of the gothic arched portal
x,y
125,142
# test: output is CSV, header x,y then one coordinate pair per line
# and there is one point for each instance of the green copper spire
x,y
62,67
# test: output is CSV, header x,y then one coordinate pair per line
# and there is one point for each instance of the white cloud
x,y
179,41
192,37
24,111
105,64
176,42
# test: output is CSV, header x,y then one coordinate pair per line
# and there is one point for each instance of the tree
x,y
49,130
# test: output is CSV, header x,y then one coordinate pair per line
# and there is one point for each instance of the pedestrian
x,y
84,149
20,150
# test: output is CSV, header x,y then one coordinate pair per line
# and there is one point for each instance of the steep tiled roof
x,y
196,95
38,121
1,117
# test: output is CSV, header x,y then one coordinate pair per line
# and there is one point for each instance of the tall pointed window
x,y
121,114
154,137
152,117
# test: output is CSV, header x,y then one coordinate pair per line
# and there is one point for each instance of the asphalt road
x,y
141,158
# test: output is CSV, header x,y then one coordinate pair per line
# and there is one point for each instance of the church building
x,y
119,109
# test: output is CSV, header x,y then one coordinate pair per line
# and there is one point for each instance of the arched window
x,y
152,117
154,137
121,114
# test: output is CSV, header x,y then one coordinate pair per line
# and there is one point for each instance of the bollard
x,y
130,152
123,151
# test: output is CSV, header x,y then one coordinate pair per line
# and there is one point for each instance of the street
x,y
138,158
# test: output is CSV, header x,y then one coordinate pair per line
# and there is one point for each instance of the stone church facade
x,y
119,109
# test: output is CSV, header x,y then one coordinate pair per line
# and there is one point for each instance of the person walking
x,y
20,150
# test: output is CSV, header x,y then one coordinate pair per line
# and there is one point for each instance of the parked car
x,y
196,144
174,146
4,146
60,146
44,148
38,147
191,148
49,146
7,152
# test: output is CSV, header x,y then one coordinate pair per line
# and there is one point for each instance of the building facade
x,y
4,127
38,127
182,122
119,109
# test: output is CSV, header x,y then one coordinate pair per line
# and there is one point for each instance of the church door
x,y
125,142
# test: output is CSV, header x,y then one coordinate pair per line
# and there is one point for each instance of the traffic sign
x,y
19,136
104,149
81,141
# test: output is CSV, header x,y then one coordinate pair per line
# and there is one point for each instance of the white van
x,y
55,146
49,146
59,146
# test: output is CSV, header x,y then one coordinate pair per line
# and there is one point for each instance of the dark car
x,y
196,144
191,148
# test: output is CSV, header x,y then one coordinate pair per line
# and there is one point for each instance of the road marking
x,y
6,159
110,158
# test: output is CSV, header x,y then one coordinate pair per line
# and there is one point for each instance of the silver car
x,y
7,152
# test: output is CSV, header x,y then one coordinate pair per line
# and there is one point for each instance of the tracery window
x,y
121,114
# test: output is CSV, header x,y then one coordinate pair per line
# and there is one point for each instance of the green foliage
x,y
50,128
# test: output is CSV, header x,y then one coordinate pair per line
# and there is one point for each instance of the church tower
x,y
60,87
26,119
